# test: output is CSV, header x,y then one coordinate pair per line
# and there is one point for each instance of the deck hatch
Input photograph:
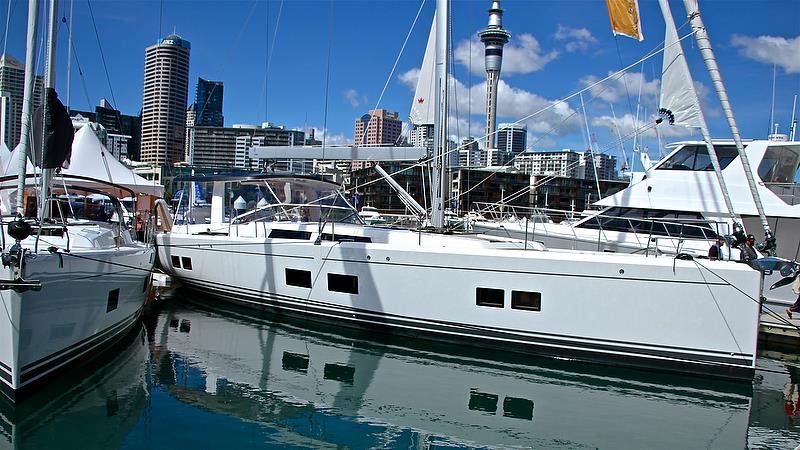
x,y
277,233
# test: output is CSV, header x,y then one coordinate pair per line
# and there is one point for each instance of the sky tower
x,y
494,37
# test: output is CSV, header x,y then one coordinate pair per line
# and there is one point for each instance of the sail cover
x,y
678,103
423,108
624,15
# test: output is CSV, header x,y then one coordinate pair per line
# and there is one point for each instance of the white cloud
x,y
626,125
513,104
621,87
771,50
575,38
523,54
409,78
355,99
330,139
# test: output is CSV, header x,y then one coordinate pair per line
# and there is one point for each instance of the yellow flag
x,y
624,16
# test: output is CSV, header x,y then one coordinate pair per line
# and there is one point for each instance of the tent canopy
x,y
93,163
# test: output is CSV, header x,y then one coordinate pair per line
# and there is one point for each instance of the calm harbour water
x,y
200,378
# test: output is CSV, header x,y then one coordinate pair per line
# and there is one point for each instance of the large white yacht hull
x,y
654,312
88,300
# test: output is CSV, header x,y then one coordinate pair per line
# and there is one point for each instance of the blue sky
x,y
557,48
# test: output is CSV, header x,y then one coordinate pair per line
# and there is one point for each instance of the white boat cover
x,y
90,159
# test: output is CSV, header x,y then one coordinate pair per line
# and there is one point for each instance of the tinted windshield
x,y
695,157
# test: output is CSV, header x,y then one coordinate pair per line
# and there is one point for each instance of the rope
x,y
770,312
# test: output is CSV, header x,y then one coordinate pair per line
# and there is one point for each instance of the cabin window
x,y
187,262
695,157
289,234
651,221
299,278
176,261
113,300
779,164
489,297
345,238
528,301
343,283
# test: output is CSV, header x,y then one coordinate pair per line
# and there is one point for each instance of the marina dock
x,y
778,332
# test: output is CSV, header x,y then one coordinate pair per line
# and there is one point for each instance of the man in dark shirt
x,y
715,252
748,251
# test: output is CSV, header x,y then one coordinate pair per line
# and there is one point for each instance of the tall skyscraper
x,y
208,103
166,88
494,37
511,141
12,88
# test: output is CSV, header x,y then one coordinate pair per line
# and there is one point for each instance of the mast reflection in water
x,y
223,379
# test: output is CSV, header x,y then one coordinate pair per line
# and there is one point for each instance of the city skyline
x,y
556,49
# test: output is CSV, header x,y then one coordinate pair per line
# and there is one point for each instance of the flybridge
x,y
340,153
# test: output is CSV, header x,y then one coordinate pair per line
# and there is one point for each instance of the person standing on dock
x,y
795,308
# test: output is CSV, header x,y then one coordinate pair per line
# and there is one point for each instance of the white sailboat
x,y
73,280
306,253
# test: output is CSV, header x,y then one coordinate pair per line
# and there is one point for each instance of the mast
x,y
49,85
704,44
440,122
27,104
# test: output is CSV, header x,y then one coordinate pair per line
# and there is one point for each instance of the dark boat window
x,y
295,362
779,164
289,234
345,238
339,372
299,278
652,221
482,401
518,408
695,157
489,297
342,283
113,300
187,262
529,301
176,261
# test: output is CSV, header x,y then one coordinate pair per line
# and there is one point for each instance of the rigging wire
x,y
103,59
8,20
327,80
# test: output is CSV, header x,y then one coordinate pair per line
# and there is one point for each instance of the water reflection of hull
x,y
89,408
315,385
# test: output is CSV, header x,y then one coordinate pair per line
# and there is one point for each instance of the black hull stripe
x,y
337,312
5,367
55,360
425,266
6,376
